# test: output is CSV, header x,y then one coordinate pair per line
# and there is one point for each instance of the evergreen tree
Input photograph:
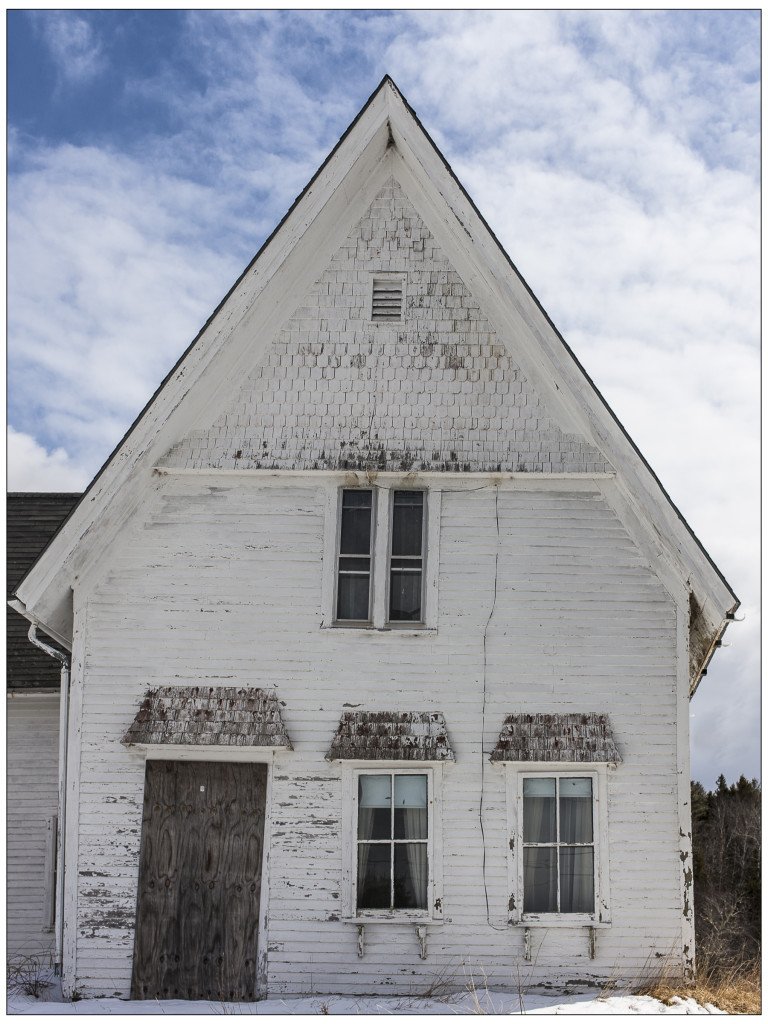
x,y
726,867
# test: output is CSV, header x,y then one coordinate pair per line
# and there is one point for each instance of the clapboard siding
x,y
32,737
222,584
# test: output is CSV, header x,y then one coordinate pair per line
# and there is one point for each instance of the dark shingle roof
x,y
222,716
32,521
579,738
391,736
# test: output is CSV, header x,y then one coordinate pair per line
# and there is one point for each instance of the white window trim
x,y
380,547
356,623
390,501
516,772
434,912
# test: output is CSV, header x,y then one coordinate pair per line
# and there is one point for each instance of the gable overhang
x,y
385,139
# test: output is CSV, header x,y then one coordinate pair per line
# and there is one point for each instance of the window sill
x,y
409,629
577,921
409,920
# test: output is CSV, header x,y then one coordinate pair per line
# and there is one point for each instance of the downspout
x,y
63,730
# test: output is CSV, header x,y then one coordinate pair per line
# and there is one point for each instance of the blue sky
x,y
615,154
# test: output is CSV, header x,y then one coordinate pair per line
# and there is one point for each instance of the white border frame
x,y
350,771
516,771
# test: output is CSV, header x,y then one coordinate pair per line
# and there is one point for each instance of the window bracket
x,y
361,940
592,943
527,945
421,932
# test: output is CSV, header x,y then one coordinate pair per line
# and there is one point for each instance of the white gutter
x,y
63,730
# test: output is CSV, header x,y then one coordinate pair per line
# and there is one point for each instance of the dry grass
x,y
734,990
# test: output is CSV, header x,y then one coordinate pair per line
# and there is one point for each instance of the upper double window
x,y
402,577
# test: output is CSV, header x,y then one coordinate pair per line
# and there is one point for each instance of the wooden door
x,y
197,918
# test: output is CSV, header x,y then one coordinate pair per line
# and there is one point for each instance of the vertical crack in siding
x,y
485,695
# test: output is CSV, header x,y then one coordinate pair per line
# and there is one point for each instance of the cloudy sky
x,y
615,154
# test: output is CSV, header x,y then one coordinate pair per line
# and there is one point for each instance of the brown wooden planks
x,y
199,881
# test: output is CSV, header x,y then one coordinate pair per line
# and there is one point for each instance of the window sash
x,y
345,560
406,565
392,842
558,844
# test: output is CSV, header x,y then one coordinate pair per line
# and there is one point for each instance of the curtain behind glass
x,y
374,821
411,858
539,814
540,880
577,879
575,810
577,864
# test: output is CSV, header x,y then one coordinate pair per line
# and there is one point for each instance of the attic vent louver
x,y
387,302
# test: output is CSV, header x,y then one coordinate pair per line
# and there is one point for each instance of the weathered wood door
x,y
197,919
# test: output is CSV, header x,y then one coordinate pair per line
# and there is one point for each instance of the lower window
x,y
392,841
558,846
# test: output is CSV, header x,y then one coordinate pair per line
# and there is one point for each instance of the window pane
x,y
575,810
410,807
577,879
355,523
353,596
374,813
539,879
539,819
373,875
404,596
411,875
407,518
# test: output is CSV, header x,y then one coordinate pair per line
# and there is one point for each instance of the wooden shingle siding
x,y
391,736
219,583
208,716
32,731
437,391
558,738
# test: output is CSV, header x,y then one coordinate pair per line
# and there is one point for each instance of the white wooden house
x,y
382,631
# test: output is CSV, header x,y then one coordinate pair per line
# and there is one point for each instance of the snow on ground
x,y
466,1003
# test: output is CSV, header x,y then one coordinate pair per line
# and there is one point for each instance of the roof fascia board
x,y
503,293
319,222
646,540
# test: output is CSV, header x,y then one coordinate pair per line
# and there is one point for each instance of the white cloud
x,y
32,468
112,276
72,43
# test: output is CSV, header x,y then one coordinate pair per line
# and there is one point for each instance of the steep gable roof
x,y
385,140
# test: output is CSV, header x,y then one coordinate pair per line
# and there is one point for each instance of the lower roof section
x,y
391,736
563,738
208,716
